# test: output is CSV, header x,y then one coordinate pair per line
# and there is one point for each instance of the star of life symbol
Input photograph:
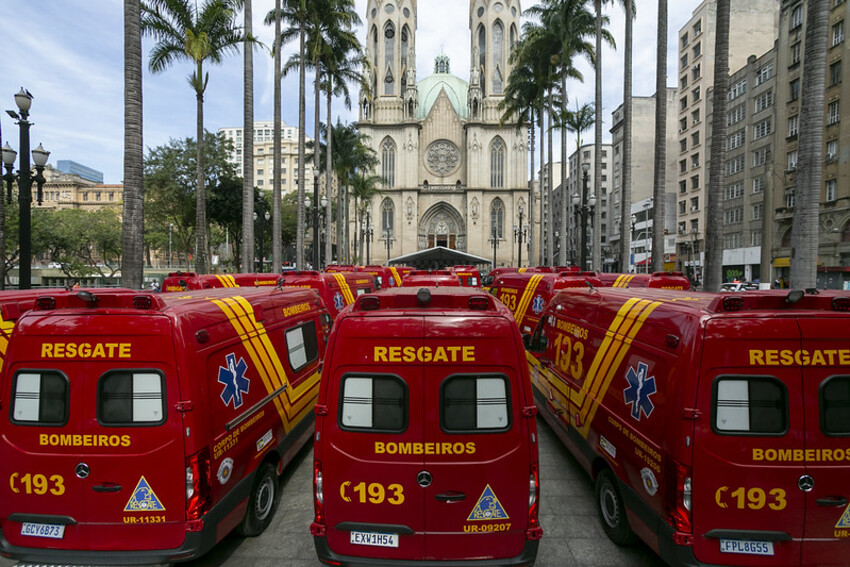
x,y
537,305
338,302
233,378
639,391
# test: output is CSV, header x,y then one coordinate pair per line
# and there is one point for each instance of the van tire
x,y
265,495
612,510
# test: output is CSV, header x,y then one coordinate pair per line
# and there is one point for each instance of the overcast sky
x,y
69,55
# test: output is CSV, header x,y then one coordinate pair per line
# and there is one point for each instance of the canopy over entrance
x,y
439,257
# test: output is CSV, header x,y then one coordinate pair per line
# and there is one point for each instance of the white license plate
x,y
747,547
374,539
53,531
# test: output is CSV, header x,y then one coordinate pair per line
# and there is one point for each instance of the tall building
x,y
454,177
834,221
68,166
641,206
753,30
264,155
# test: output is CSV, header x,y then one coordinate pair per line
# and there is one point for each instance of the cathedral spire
x,y
494,27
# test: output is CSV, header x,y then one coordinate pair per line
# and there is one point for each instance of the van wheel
x,y
612,511
262,503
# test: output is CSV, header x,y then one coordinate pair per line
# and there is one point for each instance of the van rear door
x,y
746,501
477,447
373,449
826,391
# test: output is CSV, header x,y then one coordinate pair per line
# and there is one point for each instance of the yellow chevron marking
x,y
522,270
530,289
343,286
396,276
5,330
227,280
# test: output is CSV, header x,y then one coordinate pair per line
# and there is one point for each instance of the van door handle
x,y
834,501
108,487
451,497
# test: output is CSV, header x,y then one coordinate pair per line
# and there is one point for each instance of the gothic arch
x,y
497,163
442,225
388,159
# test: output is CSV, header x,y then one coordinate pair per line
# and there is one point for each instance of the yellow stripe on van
x,y
396,276
522,270
523,304
623,280
5,330
227,280
343,286
620,345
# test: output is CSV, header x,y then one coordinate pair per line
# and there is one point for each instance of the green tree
x,y
84,242
363,187
205,34
132,262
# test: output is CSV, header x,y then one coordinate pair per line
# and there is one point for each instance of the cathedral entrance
x,y
442,225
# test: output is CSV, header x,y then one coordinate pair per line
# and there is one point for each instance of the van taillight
x,y
45,303
197,485
318,528
479,303
679,493
534,531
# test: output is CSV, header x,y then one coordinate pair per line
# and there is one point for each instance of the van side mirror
x,y
535,343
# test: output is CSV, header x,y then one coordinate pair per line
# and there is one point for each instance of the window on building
x,y
735,190
833,112
755,238
388,153
683,103
498,42
683,124
795,90
831,186
697,28
832,150
796,51
758,210
683,145
738,89
684,40
387,218
497,218
389,58
683,166
837,33
697,50
758,184
764,74
835,73
790,199
792,160
683,207
762,129
497,163
695,116
683,187
695,94
735,140
683,83
733,216
796,17
763,101
696,71
682,228
684,61
760,157
694,204
735,165
694,161
259,183
736,114
695,139
792,125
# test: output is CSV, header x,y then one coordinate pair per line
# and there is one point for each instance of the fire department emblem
x,y
537,305
144,499
844,521
639,391
488,507
338,301
234,381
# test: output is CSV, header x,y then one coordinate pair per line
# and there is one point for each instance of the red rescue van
x,y
183,281
526,294
715,426
142,428
337,289
13,303
426,439
659,280
429,278
469,275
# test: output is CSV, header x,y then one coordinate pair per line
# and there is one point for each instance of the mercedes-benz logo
x,y
806,483
82,470
424,479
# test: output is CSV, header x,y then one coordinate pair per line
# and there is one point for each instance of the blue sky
x,y
69,55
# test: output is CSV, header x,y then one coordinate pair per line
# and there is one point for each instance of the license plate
x,y
747,547
53,531
374,539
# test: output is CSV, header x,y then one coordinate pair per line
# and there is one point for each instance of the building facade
x,y
88,173
453,175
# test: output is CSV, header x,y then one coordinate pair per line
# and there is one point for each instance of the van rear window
x,y
835,406
373,403
750,405
40,398
470,403
128,398
301,345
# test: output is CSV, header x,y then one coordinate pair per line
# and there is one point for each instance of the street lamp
x,y
170,229
584,206
316,212
495,240
24,178
368,231
519,232
388,240
262,216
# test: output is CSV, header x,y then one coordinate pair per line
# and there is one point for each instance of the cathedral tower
x,y
391,50
494,27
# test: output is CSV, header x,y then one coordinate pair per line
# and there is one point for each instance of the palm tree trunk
x,y
302,126
132,239
562,245
200,190
804,233
277,182
541,257
248,145
626,197
550,227
712,271
328,184
659,189
531,201
597,146
317,87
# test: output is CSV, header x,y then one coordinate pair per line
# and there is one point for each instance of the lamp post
x,y
584,205
518,234
317,211
694,251
263,215
495,240
25,178
368,231
170,229
388,240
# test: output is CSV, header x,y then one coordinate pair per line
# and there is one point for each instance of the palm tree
x,y
132,240
364,186
712,271
660,167
183,31
804,232
248,144
626,196
579,121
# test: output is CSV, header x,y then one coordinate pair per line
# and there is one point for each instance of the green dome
x,y
455,88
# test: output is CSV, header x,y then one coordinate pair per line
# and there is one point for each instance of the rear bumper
x,y
524,559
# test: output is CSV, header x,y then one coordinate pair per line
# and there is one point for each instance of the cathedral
x,y
455,180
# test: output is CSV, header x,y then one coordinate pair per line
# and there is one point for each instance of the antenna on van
x,y
590,285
